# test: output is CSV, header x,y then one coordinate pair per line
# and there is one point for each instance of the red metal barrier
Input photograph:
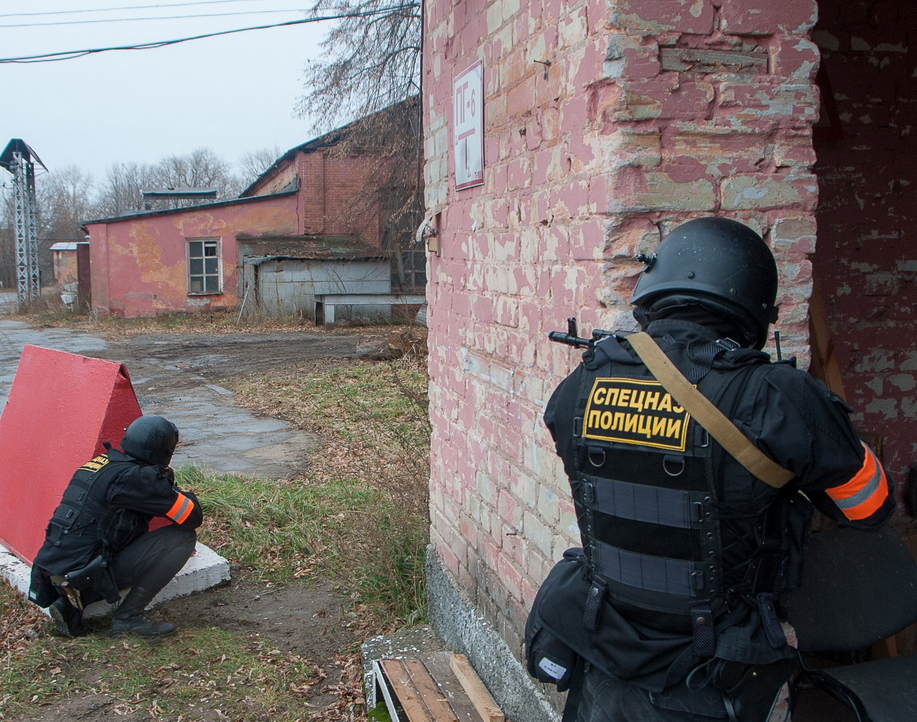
x,y
60,410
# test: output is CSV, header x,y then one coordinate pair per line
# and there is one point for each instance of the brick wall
x,y
649,113
866,261
335,195
281,177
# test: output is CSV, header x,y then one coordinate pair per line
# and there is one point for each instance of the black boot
x,y
68,619
129,620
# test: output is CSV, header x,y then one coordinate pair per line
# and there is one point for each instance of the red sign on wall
x,y
468,126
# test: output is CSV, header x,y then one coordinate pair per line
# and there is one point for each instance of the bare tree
x,y
121,191
369,76
65,197
201,168
371,61
255,162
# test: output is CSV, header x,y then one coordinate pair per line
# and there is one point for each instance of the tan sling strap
x,y
707,415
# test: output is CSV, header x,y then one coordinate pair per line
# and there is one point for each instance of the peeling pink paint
x,y
583,169
146,269
866,262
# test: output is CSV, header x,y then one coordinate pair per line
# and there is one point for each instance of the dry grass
x,y
374,461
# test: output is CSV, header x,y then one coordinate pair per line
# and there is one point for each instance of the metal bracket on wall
x,y
428,231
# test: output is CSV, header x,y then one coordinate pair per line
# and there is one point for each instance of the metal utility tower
x,y
19,159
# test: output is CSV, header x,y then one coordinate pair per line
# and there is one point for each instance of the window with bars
x,y
203,267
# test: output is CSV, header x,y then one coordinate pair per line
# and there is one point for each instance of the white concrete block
x,y
205,569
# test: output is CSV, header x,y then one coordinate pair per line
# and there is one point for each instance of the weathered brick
x,y
795,57
629,56
784,102
572,28
650,17
795,150
763,191
794,233
632,191
636,146
661,99
768,17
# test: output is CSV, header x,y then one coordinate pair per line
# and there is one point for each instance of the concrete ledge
x,y
205,569
461,627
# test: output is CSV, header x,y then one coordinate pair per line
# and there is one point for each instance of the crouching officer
x,y
671,611
98,540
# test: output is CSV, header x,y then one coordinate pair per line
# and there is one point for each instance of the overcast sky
x,y
233,94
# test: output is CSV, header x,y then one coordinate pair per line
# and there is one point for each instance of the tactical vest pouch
x,y
558,613
76,509
97,576
548,658
41,590
118,528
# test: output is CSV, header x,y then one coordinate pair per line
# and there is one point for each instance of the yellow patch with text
x,y
95,464
629,411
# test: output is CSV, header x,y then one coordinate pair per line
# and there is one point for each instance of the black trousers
x,y
606,699
151,561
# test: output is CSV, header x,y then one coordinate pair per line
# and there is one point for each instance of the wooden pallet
x,y
440,687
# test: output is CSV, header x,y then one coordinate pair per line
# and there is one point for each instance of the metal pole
x,y
21,205
32,215
28,274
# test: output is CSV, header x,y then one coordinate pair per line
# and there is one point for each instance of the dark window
x,y
203,267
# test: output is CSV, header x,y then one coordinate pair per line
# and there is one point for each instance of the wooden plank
x,y
437,663
404,690
417,692
432,695
695,60
475,689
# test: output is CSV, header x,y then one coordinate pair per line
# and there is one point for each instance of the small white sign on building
x,y
468,126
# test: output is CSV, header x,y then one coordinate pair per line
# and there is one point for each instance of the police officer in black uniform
x,y
98,540
675,607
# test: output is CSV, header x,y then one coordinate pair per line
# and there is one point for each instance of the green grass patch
x,y
223,672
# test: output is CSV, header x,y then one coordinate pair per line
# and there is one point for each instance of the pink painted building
x,y
603,124
189,259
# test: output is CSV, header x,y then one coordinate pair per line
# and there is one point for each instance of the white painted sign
x,y
468,126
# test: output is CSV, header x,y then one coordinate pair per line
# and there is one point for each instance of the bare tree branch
x,y
369,77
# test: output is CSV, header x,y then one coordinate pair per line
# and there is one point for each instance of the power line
x,y
73,54
134,20
129,7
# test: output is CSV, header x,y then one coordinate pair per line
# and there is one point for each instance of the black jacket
x,y
115,481
793,419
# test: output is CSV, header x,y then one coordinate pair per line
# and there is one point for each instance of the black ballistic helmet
x,y
150,439
719,264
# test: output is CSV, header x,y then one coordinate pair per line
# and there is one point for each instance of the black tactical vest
x,y
72,536
646,491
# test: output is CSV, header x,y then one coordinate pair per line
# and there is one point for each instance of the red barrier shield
x,y
61,409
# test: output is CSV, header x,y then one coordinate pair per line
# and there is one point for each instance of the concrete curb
x,y
205,569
